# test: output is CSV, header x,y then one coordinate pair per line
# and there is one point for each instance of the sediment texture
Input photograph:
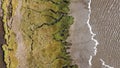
x,y
36,31
80,37
105,21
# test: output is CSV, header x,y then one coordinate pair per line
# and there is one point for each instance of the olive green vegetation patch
x,y
45,27
10,46
10,52
62,33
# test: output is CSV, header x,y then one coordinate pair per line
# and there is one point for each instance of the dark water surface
x,y
105,21
2,40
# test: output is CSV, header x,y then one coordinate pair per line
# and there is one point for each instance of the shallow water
x,y
105,21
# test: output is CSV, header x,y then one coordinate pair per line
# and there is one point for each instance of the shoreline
x,y
105,22
80,36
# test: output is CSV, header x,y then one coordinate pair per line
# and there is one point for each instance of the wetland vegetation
x,y
45,27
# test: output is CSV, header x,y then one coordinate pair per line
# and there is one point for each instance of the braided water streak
x,y
93,34
105,65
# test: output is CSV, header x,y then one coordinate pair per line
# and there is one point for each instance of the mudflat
x,y
105,23
80,37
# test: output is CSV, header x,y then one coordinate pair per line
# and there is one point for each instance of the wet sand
x,y
80,37
105,21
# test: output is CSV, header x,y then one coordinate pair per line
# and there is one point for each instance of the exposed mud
x,y
80,36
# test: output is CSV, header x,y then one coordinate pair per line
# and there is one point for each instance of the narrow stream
x,y
2,40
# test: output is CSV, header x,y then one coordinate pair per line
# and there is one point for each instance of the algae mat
x,y
36,33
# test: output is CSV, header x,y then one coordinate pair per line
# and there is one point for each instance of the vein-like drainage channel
x,y
2,40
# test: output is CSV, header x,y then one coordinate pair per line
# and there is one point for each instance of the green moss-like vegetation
x,y
10,51
63,26
10,46
45,28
